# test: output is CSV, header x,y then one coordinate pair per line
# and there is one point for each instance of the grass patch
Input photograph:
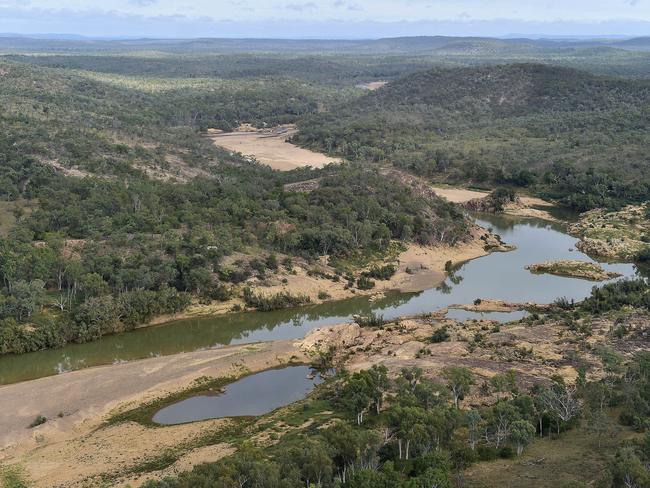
x,y
158,463
13,477
304,411
553,463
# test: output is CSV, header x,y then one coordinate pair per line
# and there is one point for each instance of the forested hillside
x,y
570,135
117,209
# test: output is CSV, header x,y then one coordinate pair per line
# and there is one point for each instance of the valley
x,y
338,264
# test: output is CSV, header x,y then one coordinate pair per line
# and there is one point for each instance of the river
x,y
497,276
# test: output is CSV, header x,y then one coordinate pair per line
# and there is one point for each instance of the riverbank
x,y
79,448
74,447
524,206
417,268
618,235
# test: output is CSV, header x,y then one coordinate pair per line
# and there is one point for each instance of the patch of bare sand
x,y
270,147
373,85
70,449
80,461
458,195
524,207
418,268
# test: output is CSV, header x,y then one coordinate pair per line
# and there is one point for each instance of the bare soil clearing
x,y
270,147
458,195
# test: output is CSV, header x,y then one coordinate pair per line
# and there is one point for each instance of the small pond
x,y
252,395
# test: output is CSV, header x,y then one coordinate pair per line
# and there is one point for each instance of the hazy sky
x,y
328,18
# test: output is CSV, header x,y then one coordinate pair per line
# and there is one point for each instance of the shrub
x,y
507,452
365,283
273,302
39,420
487,453
380,272
643,256
440,335
370,320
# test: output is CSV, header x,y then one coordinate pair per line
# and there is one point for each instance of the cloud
x,y
143,3
301,7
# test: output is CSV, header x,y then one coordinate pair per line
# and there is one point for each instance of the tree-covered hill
x,y
507,90
569,134
123,210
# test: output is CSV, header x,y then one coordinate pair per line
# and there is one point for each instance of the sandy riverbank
x,y
525,206
418,268
69,450
77,449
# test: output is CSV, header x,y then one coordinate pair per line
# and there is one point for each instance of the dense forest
x,y
122,211
567,134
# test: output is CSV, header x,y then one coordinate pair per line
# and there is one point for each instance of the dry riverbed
x,y
75,448
270,147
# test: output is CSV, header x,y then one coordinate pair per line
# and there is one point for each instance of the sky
x,y
325,18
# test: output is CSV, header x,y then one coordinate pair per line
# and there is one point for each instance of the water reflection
x,y
498,276
256,394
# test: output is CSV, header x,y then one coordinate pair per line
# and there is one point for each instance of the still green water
x,y
256,394
497,276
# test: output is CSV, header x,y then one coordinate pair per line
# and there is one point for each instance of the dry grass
x,y
551,463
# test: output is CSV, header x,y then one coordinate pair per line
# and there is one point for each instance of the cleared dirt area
x,y
524,207
270,147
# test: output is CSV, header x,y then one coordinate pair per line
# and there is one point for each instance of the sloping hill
x,y
517,89
519,124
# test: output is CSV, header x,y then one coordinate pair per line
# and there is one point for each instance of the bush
x,y
39,420
440,335
380,272
643,256
370,320
507,452
487,453
365,283
273,302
